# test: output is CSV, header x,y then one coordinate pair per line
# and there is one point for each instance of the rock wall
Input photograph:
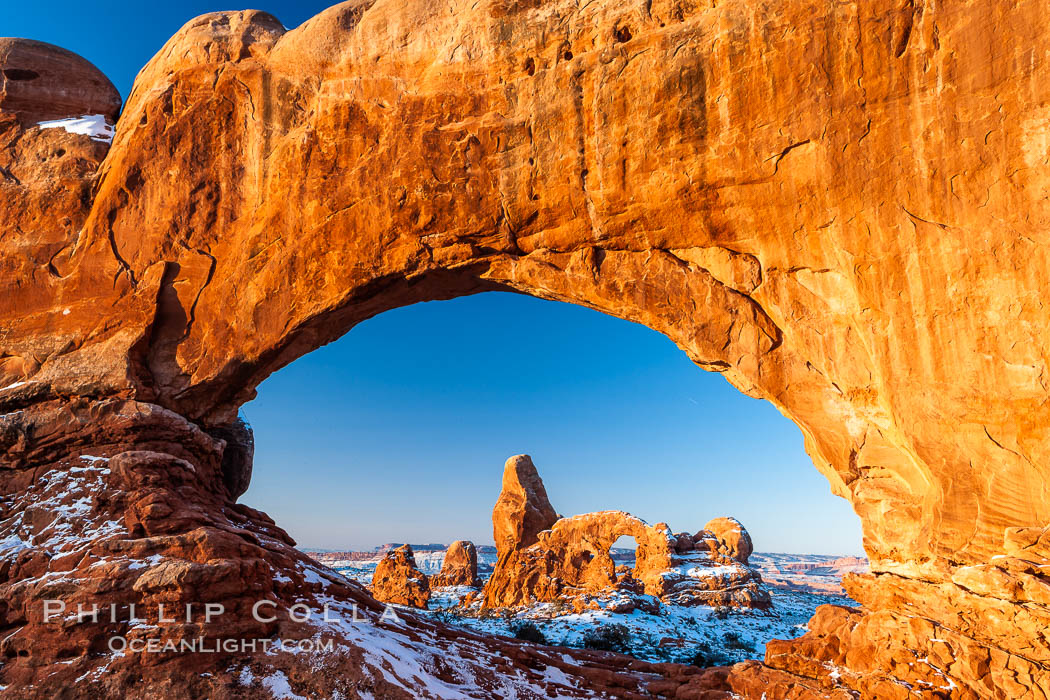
x,y
841,207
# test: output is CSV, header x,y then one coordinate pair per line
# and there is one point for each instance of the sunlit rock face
x,y
397,579
459,567
841,207
523,509
567,560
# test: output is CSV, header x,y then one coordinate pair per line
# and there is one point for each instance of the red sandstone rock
x,y
522,510
41,82
733,540
397,579
460,567
570,560
839,206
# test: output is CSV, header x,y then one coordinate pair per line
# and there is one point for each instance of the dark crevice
x,y
908,12
20,74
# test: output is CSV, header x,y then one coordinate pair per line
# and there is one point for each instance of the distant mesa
x,y
384,548
808,573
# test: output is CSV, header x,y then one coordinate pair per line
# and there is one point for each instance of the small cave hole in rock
x,y
530,66
661,479
20,74
623,35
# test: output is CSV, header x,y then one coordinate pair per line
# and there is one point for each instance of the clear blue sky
x,y
120,36
398,431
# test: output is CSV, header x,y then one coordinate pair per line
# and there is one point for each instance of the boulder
x,y
398,580
733,540
40,82
460,567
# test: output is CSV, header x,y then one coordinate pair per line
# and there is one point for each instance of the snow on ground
x,y
708,635
700,566
449,596
408,656
65,494
12,545
93,125
277,684
677,633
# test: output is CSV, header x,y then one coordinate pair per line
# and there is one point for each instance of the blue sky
x,y
398,431
120,36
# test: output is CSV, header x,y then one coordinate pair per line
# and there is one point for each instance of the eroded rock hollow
x,y
842,207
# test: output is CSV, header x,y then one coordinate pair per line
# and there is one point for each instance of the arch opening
x,y
413,412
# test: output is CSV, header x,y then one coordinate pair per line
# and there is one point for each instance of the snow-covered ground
x,y
710,636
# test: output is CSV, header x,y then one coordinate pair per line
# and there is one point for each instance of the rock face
x,y
40,82
570,561
397,579
842,207
731,539
460,567
522,510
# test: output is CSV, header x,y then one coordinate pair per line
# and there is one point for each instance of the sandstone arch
x,y
546,558
842,208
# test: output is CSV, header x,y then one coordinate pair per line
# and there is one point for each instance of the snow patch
x,y
277,684
12,545
313,576
93,125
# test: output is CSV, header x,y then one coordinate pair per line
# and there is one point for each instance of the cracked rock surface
x,y
842,207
